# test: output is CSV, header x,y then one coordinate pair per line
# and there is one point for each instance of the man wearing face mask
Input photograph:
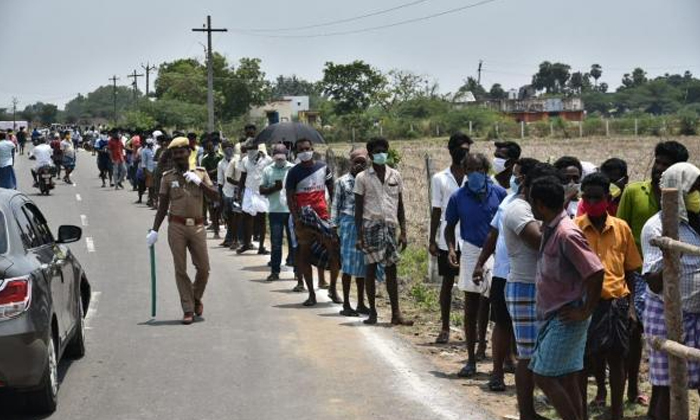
x,y
306,187
254,205
638,202
182,193
571,170
443,185
608,334
226,190
505,156
272,178
686,178
473,206
343,220
210,162
378,209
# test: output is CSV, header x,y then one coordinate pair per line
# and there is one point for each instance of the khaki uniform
x,y
186,232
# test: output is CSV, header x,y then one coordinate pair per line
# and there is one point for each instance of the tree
x,y
293,86
48,114
404,85
637,78
40,111
473,86
579,82
245,86
596,72
352,87
182,80
551,77
497,92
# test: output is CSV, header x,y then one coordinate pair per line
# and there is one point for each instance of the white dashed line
x,y
90,244
92,310
78,197
83,220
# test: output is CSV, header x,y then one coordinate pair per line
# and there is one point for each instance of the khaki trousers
x,y
193,238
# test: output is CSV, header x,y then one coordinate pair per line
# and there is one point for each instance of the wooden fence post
x,y
522,129
636,127
551,129
677,369
607,128
433,273
470,128
580,128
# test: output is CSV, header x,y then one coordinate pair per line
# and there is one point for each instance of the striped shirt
x,y
690,264
343,198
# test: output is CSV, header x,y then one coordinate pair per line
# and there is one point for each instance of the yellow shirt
x,y
617,251
193,158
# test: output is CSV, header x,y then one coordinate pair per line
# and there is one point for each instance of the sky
x,y
52,50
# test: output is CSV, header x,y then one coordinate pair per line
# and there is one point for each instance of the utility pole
x,y
14,113
114,97
135,76
478,80
210,71
148,68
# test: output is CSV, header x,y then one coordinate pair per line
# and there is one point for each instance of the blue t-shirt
x,y
473,213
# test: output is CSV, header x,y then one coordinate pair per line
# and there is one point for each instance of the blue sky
x,y
53,50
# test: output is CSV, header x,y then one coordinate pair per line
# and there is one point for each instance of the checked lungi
x,y
380,246
352,259
655,325
520,298
560,347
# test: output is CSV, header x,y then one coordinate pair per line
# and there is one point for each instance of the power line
x,y
374,28
336,22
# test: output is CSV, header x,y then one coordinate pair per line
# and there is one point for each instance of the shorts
x,y
610,327
445,269
520,298
497,298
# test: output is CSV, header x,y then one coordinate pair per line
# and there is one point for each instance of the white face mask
x,y
305,156
499,165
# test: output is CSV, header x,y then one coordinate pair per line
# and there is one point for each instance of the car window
x,y
3,234
39,222
30,238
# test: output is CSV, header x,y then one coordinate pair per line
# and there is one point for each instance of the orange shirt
x,y
617,251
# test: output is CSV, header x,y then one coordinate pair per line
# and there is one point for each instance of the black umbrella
x,y
288,132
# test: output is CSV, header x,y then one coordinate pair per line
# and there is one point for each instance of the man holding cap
x,y
272,177
182,193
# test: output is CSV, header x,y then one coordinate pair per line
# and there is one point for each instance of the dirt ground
x,y
419,297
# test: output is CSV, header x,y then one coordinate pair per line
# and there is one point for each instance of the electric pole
x,y
114,97
210,71
14,113
478,80
148,68
135,76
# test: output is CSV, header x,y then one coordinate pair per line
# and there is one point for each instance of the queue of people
x,y
555,255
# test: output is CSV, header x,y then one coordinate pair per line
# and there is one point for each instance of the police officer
x,y
182,192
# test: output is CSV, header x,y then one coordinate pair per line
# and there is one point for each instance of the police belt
x,y
187,221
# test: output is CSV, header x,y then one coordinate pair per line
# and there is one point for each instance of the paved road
x,y
258,354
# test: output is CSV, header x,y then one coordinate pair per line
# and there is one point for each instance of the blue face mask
x,y
380,158
476,182
514,186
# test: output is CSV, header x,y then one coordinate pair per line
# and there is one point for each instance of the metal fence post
x,y
677,369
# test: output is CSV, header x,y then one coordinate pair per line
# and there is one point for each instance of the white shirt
x,y
443,185
253,170
43,154
229,189
7,149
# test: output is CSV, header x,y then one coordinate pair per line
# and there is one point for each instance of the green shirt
x,y
210,162
637,204
270,174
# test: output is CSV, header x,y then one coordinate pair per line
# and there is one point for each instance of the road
x,y
257,355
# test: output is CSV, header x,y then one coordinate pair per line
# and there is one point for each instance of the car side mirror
x,y
68,234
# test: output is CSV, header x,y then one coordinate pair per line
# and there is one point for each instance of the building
x,y
538,109
286,109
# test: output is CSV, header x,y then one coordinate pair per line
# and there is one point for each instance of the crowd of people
x,y
555,254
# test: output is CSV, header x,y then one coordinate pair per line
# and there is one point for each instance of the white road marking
x,y
415,387
92,310
90,244
78,197
83,220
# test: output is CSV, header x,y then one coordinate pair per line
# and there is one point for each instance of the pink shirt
x,y
564,261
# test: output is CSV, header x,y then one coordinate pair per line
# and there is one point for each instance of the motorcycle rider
x,y
43,153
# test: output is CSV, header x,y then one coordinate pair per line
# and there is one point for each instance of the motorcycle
x,y
45,176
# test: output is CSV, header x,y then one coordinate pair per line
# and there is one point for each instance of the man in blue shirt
x,y
473,206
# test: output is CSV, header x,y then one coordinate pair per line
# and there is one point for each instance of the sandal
x,y
309,302
363,310
598,402
641,399
335,299
496,384
349,312
467,371
298,288
443,337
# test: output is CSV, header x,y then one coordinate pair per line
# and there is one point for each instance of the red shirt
x,y
116,150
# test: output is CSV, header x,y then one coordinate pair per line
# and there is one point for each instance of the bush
x,y
688,122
